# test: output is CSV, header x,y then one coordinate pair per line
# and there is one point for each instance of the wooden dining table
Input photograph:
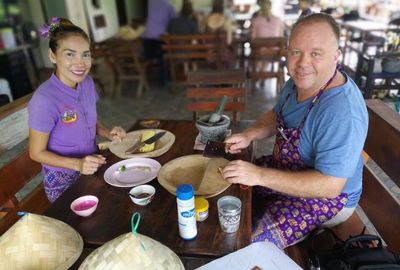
x,y
159,219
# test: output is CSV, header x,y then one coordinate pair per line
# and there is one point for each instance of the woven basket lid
x,y
161,146
201,172
39,242
130,251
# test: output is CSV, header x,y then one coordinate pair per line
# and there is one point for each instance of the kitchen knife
x,y
216,149
150,140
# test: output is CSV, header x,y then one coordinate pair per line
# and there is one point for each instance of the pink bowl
x,y
84,206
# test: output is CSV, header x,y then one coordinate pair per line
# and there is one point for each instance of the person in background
x,y
185,23
314,175
265,24
305,7
159,13
217,22
62,112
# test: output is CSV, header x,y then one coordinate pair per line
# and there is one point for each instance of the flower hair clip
x,y
45,30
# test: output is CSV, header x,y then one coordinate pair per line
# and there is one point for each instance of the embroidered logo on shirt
x,y
69,116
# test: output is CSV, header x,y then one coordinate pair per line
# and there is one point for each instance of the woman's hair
x,y
218,6
318,18
62,29
265,9
187,8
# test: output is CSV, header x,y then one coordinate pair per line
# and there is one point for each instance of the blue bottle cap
x,y
184,191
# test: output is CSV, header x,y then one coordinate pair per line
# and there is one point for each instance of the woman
x,y
217,22
265,24
185,23
62,112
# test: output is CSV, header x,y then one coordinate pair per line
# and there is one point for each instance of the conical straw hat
x,y
215,21
39,242
130,251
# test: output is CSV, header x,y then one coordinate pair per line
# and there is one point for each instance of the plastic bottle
x,y
186,212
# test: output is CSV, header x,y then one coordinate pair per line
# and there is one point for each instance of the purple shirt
x,y
159,12
68,115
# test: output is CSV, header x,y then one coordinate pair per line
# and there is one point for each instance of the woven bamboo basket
x,y
129,251
39,242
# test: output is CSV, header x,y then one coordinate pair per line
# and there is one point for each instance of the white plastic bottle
x,y
186,212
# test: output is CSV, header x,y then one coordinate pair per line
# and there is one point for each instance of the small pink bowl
x,y
84,206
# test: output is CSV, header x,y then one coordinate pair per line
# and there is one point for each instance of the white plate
x,y
138,171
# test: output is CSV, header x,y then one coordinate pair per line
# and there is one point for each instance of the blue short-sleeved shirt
x,y
334,132
68,115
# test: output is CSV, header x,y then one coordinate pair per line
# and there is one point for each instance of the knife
x,y
216,149
150,140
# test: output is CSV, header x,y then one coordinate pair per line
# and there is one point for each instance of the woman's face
x,y
72,59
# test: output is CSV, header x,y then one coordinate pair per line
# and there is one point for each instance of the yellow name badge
x,y
69,117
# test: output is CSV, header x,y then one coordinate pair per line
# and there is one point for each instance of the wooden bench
x,y
210,86
189,52
267,53
377,201
20,170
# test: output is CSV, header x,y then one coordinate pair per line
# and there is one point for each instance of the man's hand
x,y
242,172
117,134
90,164
236,142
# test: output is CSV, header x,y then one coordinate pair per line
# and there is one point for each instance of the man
x,y
314,176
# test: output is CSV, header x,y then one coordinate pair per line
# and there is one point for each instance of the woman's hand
x,y
236,142
117,134
90,164
242,172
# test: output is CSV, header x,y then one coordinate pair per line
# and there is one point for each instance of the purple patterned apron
x,y
279,218
57,181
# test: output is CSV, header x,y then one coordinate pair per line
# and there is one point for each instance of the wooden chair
x,y
100,56
368,78
125,55
267,52
192,52
211,86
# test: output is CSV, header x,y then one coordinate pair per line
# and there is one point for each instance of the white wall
x,y
76,14
109,10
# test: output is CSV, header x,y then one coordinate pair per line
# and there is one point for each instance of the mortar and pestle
x,y
214,126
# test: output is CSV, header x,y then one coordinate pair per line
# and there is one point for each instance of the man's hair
x,y
318,18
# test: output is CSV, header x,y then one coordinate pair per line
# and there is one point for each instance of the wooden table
x,y
159,219
365,29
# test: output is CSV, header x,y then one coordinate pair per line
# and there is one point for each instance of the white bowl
x,y
142,195
84,206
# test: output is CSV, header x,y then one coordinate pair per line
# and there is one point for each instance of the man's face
x,y
312,56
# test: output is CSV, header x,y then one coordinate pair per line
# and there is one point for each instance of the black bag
x,y
361,252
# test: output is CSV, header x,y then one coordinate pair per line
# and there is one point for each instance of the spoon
x,y
139,196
